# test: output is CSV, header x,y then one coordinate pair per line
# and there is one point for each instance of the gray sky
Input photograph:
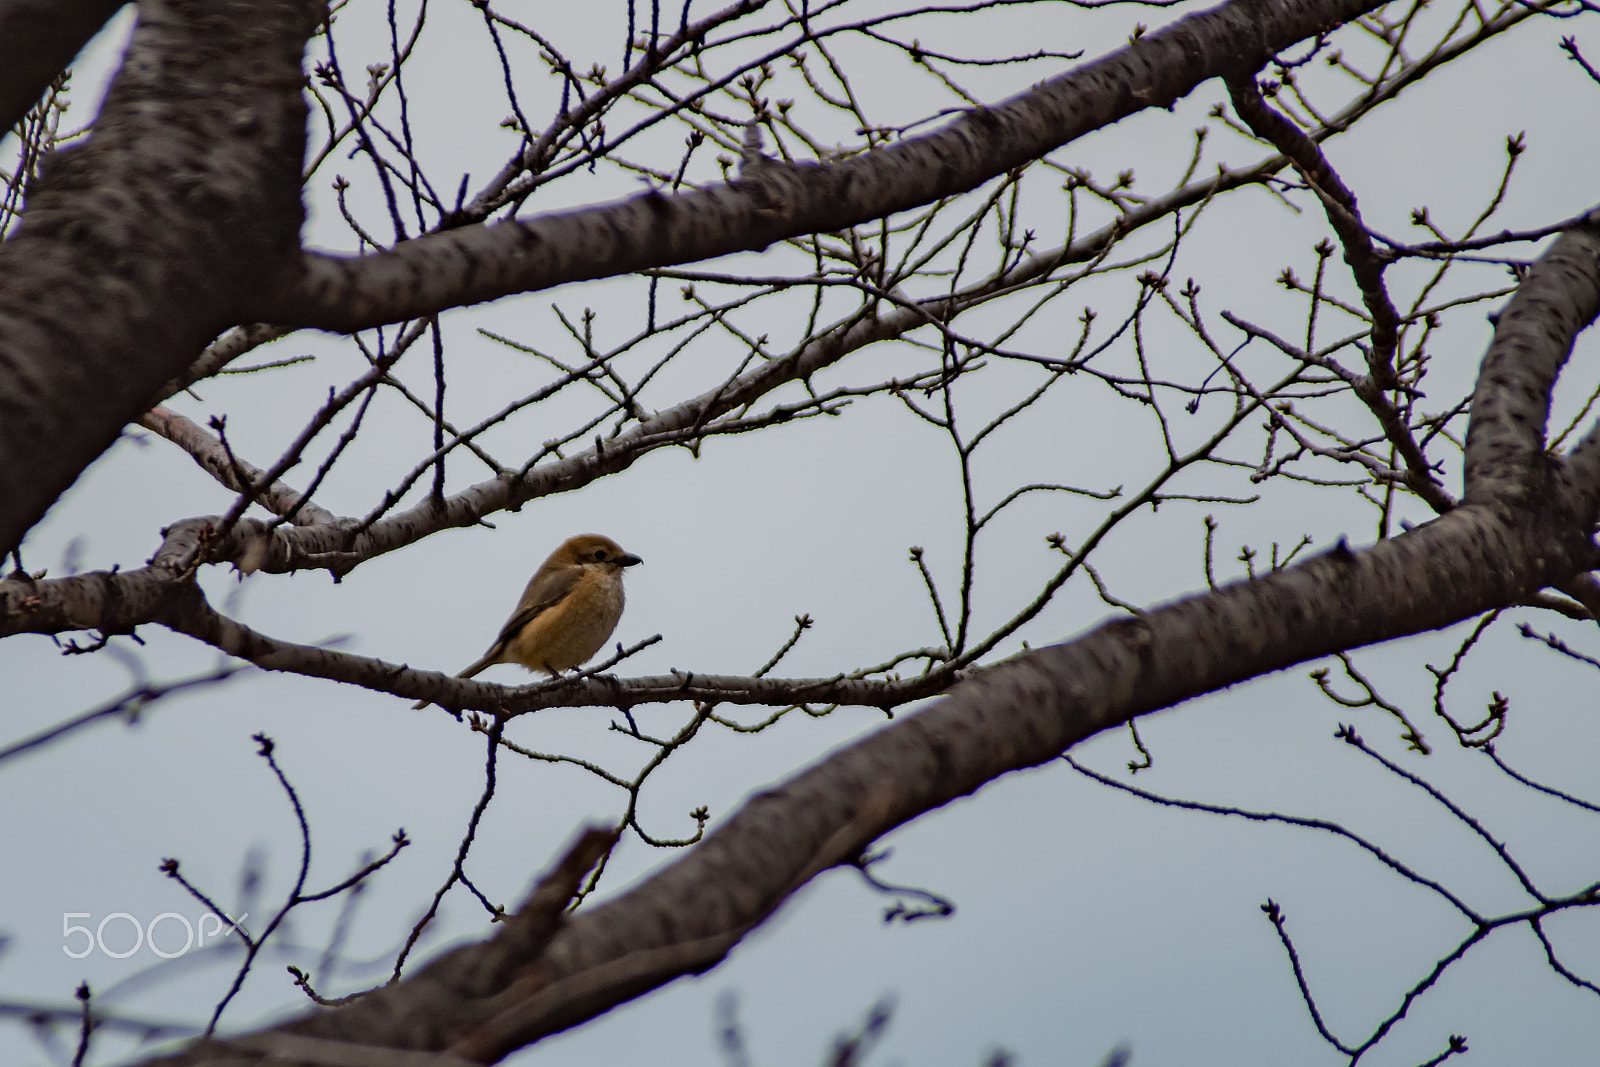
x,y
1085,918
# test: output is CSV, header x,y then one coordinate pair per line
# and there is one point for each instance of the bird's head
x,y
590,549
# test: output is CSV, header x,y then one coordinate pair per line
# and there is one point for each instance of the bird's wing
x,y
544,592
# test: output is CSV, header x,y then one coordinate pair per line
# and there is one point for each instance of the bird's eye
x,y
600,554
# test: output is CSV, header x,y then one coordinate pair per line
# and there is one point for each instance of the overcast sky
x,y
1084,918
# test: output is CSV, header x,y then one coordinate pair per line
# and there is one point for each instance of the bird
x,y
571,605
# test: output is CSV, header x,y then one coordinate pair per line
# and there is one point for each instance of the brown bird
x,y
571,605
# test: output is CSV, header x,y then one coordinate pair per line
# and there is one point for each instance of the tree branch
x,y
137,247
1021,713
217,460
1018,714
1505,455
40,39
771,202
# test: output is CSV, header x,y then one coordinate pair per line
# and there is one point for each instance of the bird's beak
x,y
628,559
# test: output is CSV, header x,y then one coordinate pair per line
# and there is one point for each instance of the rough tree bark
x,y
180,218
55,31
138,247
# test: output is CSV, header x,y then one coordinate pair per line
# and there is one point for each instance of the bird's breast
x,y
571,632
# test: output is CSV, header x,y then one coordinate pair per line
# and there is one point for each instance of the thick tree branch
x,y
112,602
425,1011
1584,460
38,40
136,248
1505,457
770,202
